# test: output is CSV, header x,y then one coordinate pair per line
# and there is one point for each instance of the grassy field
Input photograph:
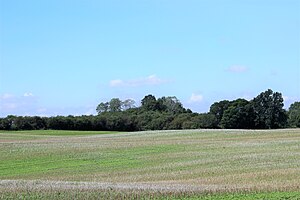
x,y
189,164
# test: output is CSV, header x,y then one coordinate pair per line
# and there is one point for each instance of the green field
x,y
191,164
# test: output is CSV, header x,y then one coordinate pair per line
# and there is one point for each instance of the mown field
x,y
185,164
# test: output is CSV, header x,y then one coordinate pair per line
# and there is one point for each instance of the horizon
x,y
137,104
65,57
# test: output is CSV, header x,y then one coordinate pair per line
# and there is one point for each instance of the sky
x,y
64,57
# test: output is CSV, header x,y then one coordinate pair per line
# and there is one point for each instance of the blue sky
x,y
63,57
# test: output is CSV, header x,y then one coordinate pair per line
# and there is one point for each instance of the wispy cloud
x,y
18,105
288,100
196,98
237,69
69,110
6,96
116,83
28,94
28,105
149,80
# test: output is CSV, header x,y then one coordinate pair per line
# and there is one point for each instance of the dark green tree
x,y
149,103
102,107
238,115
180,121
218,109
294,115
205,120
98,123
115,105
268,110
5,123
170,104
128,104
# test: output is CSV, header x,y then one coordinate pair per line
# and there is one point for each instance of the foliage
x,y
205,120
268,110
149,103
294,115
128,104
115,105
170,105
102,107
263,112
238,115
218,109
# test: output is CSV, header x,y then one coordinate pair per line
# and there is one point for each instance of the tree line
x,y
265,111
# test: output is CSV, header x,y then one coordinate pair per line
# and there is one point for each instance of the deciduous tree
x,y
128,104
268,110
102,107
115,105
294,115
218,109
149,103
238,115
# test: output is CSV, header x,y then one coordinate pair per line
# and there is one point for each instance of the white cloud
x,y
27,104
288,100
153,80
41,110
237,69
28,94
18,105
90,112
196,98
116,83
149,80
72,110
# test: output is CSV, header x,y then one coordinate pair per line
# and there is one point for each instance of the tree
x,y
149,103
115,105
179,121
170,104
238,115
99,123
38,123
83,123
294,115
268,110
5,123
128,104
206,120
218,109
102,107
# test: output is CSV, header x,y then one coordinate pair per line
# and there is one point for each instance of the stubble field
x,y
183,164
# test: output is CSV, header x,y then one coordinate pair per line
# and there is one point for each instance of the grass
x,y
108,194
58,132
192,164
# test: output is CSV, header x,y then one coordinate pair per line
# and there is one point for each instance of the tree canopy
x,y
265,111
294,115
268,110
